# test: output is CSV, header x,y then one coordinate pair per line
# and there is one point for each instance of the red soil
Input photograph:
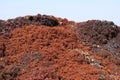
x,y
65,51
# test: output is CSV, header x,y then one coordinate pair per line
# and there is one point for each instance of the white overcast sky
x,y
77,10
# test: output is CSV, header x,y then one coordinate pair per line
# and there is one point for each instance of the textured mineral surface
x,y
44,47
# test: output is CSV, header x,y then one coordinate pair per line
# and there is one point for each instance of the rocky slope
x,y
43,47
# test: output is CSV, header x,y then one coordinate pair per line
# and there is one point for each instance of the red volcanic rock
x,y
43,47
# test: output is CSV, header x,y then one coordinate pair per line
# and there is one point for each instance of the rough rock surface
x,y
44,47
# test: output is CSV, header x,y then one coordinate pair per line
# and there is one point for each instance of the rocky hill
x,y
44,47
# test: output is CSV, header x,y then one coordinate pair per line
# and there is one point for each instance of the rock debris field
x,y
43,47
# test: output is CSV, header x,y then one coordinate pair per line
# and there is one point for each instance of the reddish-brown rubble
x,y
47,48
